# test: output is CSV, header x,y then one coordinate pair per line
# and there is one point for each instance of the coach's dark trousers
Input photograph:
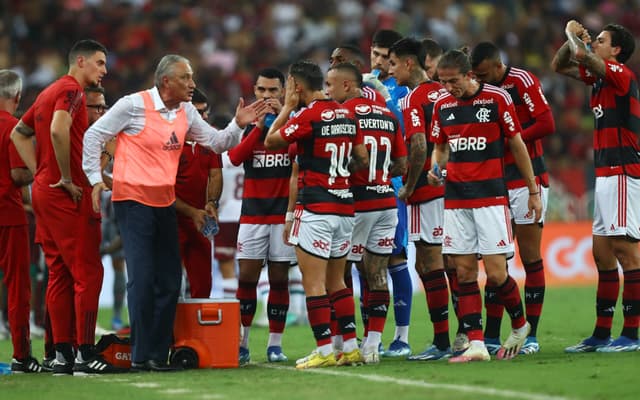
x,y
150,238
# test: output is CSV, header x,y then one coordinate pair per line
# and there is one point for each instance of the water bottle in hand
x,y
210,227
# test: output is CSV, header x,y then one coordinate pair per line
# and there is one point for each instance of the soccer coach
x,y
151,127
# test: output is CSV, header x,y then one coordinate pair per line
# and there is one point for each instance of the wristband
x,y
106,153
65,180
288,217
533,193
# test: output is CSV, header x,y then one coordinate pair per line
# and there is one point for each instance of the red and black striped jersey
x,y
476,129
266,178
528,98
417,110
372,94
616,108
325,133
383,138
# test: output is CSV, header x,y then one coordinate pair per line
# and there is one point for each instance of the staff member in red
x,y
198,188
151,127
67,228
14,234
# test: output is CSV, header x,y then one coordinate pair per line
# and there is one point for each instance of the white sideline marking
x,y
423,384
211,397
175,391
145,384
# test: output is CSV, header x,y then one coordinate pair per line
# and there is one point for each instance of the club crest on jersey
x,y
328,115
363,109
433,95
483,115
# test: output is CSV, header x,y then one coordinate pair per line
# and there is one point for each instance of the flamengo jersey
x,y
616,108
266,184
372,94
325,134
231,197
527,96
417,110
475,129
382,136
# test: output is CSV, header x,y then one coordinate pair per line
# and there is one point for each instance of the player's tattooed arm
x,y
24,129
594,64
564,64
417,158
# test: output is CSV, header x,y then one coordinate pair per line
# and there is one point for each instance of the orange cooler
x,y
206,333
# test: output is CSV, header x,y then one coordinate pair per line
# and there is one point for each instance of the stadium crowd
x,y
228,42
231,49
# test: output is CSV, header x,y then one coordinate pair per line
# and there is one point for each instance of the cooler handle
x,y
210,322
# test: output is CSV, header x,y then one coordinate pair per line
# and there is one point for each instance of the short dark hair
x,y
271,73
352,48
455,59
484,51
94,89
85,47
431,48
309,72
385,38
409,47
351,69
621,37
199,96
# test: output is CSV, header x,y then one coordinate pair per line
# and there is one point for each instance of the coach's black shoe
x,y
25,365
158,366
139,367
95,365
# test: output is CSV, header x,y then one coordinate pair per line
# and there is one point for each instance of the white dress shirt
x,y
128,116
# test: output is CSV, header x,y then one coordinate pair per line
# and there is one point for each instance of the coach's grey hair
x,y
10,84
165,67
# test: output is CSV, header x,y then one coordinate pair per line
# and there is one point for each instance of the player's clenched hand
x,y
95,195
198,217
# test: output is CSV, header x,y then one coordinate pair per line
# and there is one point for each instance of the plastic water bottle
x,y
210,227
268,119
5,369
